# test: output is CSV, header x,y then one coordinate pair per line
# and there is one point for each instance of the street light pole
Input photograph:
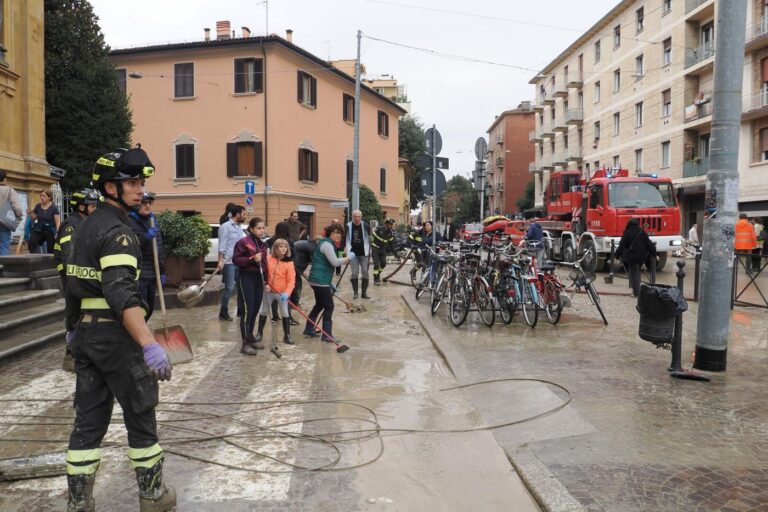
x,y
356,142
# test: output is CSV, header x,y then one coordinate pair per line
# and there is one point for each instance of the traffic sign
x,y
481,148
249,210
422,162
250,188
442,163
438,142
248,200
340,204
426,182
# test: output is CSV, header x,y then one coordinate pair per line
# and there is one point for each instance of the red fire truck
x,y
591,214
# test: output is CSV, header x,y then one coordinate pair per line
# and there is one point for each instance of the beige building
x,y
387,86
216,113
22,96
636,90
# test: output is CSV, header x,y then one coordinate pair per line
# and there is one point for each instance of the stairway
x,y
31,311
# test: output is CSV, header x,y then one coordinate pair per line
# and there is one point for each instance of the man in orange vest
x,y
745,239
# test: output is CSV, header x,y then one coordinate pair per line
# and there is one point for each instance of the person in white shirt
x,y
229,233
693,235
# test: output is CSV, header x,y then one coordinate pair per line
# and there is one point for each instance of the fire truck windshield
x,y
641,194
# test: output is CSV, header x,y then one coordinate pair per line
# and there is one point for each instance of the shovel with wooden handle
x,y
173,339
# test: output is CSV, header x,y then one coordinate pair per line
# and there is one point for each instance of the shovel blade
x,y
175,343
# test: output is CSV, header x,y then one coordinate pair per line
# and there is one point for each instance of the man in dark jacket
x,y
635,249
302,257
142,224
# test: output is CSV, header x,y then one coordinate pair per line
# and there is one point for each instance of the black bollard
x,y
609,278
675,367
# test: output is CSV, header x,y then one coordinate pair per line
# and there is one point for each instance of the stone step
x,y
23,300
48,332
13,284
22,321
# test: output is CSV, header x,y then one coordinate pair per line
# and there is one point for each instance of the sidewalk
x,y
632,439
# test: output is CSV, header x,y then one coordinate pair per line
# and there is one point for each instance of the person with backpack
x,y
635,249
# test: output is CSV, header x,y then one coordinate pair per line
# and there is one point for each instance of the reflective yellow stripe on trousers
x,y
145,457
83,462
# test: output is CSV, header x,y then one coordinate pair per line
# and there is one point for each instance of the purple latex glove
x,y
158,361
70,337
284,297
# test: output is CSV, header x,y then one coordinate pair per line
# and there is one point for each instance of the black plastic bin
x,y
659,305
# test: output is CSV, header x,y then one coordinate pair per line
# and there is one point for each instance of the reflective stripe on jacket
x,y
745,239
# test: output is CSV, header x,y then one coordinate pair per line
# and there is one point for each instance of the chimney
x,y
289,35
222,30
207,34
246,32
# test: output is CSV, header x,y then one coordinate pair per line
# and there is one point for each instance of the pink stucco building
x,y
215,113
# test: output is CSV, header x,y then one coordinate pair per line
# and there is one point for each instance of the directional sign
x,y
340,204
422,162
250,188
438,142
248,200
426,182
442,163
481,148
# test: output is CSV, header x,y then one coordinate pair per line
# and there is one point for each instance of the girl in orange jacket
x,y
281,278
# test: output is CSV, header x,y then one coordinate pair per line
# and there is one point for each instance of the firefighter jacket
x,y
745,236
140,226
62,248
382,238
414,237
103,269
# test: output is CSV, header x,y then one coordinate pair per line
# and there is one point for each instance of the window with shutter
x,y
183,80
306,89
350,177
348,108
249,75
383,127
185,161
308,165
121,78
666,103
383,181
764,144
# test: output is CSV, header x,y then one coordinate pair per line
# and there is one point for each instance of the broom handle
x,y
158,281
294,306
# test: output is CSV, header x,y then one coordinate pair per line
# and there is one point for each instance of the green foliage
x,y
188,237
369,205
411,144
86,115
460,198
527,201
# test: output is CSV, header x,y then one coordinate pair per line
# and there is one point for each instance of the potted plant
x,y
186,241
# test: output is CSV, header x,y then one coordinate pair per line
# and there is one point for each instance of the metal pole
x,y
266,6
722,189
356,143
481,175
676,368
434,184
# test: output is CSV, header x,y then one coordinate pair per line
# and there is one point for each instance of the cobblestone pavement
x,y
632,439
392,369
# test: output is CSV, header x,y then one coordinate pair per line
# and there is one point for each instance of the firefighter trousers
x,y
109,366
379,256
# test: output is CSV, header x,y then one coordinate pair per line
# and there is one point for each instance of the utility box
x,y
659,305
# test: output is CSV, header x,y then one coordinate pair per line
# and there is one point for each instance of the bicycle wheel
x,y
415,275
553,308
529,303
459,302
506,307
595,298
423,284
438,293
484,301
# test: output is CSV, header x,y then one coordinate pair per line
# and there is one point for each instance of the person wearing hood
x,y
144,224
635,249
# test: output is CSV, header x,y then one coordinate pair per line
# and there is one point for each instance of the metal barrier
x,y
740,259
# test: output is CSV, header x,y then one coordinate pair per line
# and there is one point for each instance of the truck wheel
x,y
596,261
662,261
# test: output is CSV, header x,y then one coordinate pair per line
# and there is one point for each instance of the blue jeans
x,y
5,241
229,277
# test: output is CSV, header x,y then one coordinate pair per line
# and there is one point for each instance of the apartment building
x,y
635,91
387,85
216,113
509,153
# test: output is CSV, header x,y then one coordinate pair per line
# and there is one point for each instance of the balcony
x,y
754,105
695,111
560,125
561,91
546,132
694,56
559,160
757,35
695,167
499,140
693,4
546,95
546,164
574,155
699,10
534,137
538,107
500,162
574,116
532,167
575,80
500,187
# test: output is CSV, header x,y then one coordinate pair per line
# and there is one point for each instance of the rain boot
x,y
154,495
309,330
248,348
275,318
376,280
287,331
354,288
365,289
257,344
328,328
291,319
260,332
81,493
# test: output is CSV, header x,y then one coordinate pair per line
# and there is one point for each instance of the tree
x,y
411,144
369,205
86,114
528,200
460,198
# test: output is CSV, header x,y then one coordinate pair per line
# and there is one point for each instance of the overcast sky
x,y
460,97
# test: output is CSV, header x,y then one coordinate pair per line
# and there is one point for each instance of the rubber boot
x,y
257,344
275,318
309,330
68,363
287,332
328,328
260,332
154,495
81,493
365,289
247,348
291,319
376,280
354,288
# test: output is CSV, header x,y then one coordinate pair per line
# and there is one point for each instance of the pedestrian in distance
x,y
635,249
116,355
144,224
324,260
757,225
693,235
425,235
9,204
381,242
297,230
229,234
358,242
745,239
535,236
46,219
250,256
281,278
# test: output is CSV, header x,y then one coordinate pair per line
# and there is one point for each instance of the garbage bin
x,y
659,305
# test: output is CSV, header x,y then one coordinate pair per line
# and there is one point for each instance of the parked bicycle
x,y
583,280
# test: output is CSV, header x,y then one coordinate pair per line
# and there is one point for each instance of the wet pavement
x,y
315,430
632,438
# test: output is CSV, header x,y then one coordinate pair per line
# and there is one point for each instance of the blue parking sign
x,y
250,187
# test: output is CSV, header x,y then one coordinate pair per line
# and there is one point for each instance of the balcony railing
x,y
575,80
500,162
532,167
754,101
546,163
574,116
694,111
532,137
546,131
559,160
692,4
561,91
758,29
695,55
573,154
696,167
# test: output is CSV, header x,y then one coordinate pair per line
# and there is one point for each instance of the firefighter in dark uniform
x,y
381,242
84,202
116,355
